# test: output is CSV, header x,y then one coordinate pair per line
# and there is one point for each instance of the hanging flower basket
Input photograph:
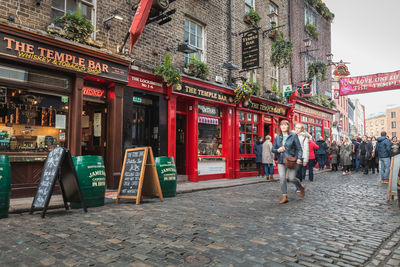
x,y
243,93
252,18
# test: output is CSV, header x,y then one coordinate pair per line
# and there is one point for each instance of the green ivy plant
x,y
332,104
281,52
198,68
316,69
252,18
76,27
311,30
278,94
168,72
255,86
324,101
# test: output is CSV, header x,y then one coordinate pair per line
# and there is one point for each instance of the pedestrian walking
x,y
345,155
395,148
333,152
288,148
355,154
374,161
312,146
258,152
268,158
384,148
321,152
303,138
366,149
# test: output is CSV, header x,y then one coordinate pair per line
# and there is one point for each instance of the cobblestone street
x,y
342,221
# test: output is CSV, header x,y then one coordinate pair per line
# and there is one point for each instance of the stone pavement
x,y
342,221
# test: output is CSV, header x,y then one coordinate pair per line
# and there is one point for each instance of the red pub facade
x,y
209,136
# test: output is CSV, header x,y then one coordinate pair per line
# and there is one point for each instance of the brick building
x,y
374,125
341,117
109,101
393,121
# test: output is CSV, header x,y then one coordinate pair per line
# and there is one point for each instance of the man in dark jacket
x,y
355,155
321,152
365,153
384,148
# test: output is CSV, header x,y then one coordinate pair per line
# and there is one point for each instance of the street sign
x,y
287,90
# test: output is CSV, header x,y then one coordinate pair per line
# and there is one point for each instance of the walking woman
x,y
288,148
258,151
345,155
268,158
321,152
303,139
333,154
311,158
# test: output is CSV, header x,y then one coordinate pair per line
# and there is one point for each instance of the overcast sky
x,y
366,34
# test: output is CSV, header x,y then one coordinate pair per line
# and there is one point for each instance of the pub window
x,y
249,4
194,36
61,7
210,136
248,133
32,121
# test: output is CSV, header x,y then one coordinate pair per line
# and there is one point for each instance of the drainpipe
x,y
290,36
229,39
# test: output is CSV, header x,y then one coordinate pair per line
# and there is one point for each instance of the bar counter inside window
x,y
31,124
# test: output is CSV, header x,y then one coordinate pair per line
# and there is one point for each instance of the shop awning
x,y
207,120
139,21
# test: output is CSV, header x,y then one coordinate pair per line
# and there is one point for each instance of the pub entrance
x,y
181,120
94,121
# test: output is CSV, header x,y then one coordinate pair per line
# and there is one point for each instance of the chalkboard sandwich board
x,y
58,166
139,175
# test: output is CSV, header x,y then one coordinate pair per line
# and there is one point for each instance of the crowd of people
x,y
296,151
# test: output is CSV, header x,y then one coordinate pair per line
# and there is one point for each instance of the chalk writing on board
x,y
131,174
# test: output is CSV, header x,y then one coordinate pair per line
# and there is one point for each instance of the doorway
x,y
181,144
94,121
267,130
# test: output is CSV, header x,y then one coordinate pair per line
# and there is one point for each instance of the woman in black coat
x,y
258,152
287,144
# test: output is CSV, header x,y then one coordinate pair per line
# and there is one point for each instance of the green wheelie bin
x,y
5,185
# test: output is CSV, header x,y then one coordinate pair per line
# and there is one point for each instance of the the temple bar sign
x,y
250,50
36,52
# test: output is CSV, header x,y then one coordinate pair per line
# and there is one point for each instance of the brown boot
x,y
284,200
302,191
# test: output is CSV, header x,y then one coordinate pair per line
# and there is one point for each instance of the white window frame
x,y
79,4
273,8
200,49
248,6
310,16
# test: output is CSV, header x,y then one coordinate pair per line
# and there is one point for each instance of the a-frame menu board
x,y
139,175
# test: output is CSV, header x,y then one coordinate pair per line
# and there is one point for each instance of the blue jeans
x,y
357,164
385,168
311,164
268,169
321,161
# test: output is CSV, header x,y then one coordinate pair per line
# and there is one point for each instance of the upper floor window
x,y
194,36
393,124
273,9
393,134
310,16
372,124
393,114
61,7
377,123
248,5
382,122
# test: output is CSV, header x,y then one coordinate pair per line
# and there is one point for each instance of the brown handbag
x,y
290,162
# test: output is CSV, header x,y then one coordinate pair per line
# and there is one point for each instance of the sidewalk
x,y
19,205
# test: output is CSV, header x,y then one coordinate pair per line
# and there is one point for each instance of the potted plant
x,y
281,52
198,68
252,18
168,72
75,26
272,30
316,69
243,92
311,30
